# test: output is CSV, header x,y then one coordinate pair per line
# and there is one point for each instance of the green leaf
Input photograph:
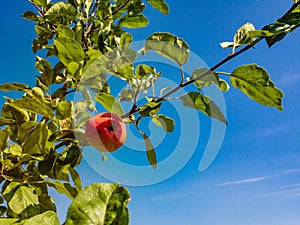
x,y
14,87
208,77
160,5
3,139
223,85
34,106
23,198
5,121
65,31
69,50
60,12
125,39
36,144
64,110
243,36
14,150
10,113
125,95
150,151
110,103
133,21
143,71
49,218
149,109
125,72
42,3
63,188
282,26
254,81
76,178
165,122
9,221
29,15
99,203
169,46
203,103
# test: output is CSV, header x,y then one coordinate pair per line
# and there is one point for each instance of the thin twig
x,y
182,74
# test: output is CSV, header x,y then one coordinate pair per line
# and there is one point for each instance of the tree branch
x,y
222,62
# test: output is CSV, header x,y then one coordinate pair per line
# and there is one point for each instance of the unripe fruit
x,y
106,132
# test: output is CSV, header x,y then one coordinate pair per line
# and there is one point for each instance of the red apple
x,y
106,132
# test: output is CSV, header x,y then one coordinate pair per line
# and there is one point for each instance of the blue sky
x,y
255,179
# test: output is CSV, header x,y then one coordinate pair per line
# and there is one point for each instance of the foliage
x,y
88,41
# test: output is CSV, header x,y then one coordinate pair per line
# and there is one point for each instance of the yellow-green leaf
x,y
160,5
169,46
254,81
203,103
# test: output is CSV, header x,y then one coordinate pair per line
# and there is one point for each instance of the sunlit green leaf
x,y
143,71
36,144
203,103
160,5
243,36
14,149
14,87
64,110
69,50
165,122
125,39
9,221
34,106
65,31
149,109
110,103
63,188
60,12
23,198
288,23
125,95
133,21
99,203
49,218
223,85
42,3
254,81
169,46
125,72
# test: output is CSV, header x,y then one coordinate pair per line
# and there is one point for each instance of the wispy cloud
x,y
295,192
292,171
171,196
245,181
259,179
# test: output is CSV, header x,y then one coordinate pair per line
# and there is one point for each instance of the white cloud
x,y
171,196
292,171
245,181
295,192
